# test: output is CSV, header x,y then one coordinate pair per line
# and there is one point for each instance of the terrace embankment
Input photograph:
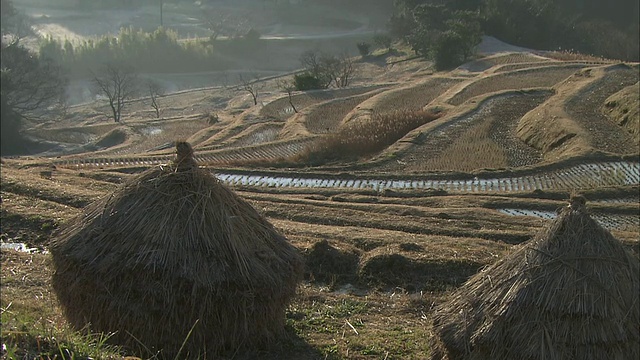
x,y
481,138
585,109
539,77
623,108
571,122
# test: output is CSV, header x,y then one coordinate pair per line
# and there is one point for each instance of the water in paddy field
x,y
575,177
606,221
150,131
583,176
22,247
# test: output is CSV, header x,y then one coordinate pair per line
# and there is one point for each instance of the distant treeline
x,y
159,51
101,4
602,28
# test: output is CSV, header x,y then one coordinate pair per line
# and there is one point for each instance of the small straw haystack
x,y
175,262
570,293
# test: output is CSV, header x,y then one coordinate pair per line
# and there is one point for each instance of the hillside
x,y
385,236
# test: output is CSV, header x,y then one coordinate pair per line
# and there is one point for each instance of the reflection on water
x,y
22,247
607,221
575,177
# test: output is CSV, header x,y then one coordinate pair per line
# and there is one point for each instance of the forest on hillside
x,y
608,29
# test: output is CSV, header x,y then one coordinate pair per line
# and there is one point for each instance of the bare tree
x,y
31,89
250,85
288,87
118,84
343,71
155,90
328,69
315,63
222,23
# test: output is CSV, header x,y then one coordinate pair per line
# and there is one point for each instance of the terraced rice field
x,y
495,61
414,97
257,134
280,109
385,237
585,106
481,138
326,117
544,77
584,176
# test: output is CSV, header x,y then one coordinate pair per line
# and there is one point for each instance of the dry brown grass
x,y
623,107
544,77
280,109
174,246
573,56
471,151
571,292
412,98
488,62
446,234
361,138
327,116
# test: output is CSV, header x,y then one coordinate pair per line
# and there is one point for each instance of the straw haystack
x,y
175,255
570,293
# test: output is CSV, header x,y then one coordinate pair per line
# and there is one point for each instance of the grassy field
x,y
377,261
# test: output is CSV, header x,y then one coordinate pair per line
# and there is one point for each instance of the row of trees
x,y
159,51
33,85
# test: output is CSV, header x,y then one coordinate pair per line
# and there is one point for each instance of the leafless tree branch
x,y
118,83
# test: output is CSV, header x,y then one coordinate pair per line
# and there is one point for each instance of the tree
x,y
31,88
323,70
340,69
13,24
315,64
364,48
155,90
448,37
288,87
118,83
383,40
250,85
306,81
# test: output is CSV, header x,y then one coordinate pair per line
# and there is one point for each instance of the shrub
x,y
306,81
383,40
364,48
447,52
213,118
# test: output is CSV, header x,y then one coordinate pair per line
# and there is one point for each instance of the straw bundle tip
x,y
577,202
184,153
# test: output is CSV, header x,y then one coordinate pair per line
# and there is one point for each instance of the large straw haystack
x,y
570,293
175,255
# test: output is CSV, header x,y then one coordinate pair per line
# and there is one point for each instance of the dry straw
x,y
175,255
570,293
